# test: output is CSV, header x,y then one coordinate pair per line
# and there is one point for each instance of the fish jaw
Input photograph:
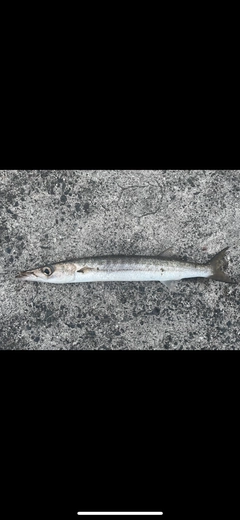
x,y
56,273
28,276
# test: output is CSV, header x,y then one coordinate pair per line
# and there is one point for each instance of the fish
x,y
116,268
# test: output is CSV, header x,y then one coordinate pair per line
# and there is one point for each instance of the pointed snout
x,y
25,274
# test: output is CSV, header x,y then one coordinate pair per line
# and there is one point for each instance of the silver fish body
x,y
126,269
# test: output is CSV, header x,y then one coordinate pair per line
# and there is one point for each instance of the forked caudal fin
x,y
216,264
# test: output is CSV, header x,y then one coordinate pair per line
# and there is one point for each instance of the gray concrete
x,y
53,215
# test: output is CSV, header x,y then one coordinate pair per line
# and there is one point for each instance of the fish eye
x,y
47,270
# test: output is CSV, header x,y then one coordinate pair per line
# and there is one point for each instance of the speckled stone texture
x,y
52,215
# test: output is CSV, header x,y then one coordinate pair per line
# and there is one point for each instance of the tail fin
x,y
216,263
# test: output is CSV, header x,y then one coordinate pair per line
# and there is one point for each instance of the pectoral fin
x,y
85,270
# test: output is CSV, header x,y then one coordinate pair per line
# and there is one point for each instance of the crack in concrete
x,y
141,200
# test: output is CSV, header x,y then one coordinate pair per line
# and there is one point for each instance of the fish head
x,y
57,273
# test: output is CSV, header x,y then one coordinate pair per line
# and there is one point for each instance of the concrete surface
x,y
53,215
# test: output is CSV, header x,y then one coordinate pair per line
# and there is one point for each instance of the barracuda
x,y
127,269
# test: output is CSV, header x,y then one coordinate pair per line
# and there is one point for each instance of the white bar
x,y
122,513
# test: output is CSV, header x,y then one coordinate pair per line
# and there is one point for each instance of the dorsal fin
x,y
167,253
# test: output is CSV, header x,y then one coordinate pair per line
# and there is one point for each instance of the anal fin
x,y
170,284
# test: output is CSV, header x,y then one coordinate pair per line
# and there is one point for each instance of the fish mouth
x,y
25,274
